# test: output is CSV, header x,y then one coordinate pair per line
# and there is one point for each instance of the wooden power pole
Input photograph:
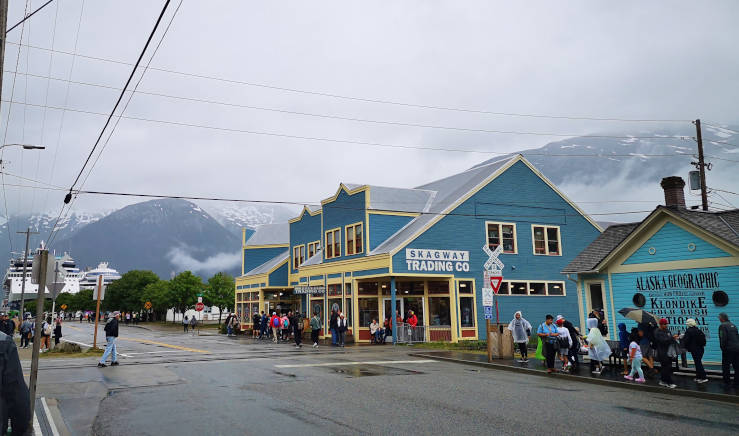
x,y
701,164
43,257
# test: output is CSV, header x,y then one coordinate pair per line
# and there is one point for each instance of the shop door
x,y
596,298
403,305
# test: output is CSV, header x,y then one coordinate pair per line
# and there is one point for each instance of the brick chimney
x,y
674,194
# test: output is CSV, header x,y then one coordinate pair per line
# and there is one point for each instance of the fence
x,y
408,334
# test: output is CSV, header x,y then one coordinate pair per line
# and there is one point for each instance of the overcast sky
x,y
605,59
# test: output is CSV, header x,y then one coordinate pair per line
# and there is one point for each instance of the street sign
x,y
147,305
199,306
495,282
487,297
95,293
64,307
488,312
200,299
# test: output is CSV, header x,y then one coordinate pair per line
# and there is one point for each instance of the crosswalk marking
x,y
369,362
162,344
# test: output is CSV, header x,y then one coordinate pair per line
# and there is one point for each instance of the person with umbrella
x,y
647,324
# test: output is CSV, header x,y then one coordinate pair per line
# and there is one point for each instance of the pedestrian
x,y
111,335
82,316
575,348
57,331
14,397
341,328
256,320
332,326
548,333
598,349
728,338
375,331
193,324
284,326
46,332
128,318
599,315
694,341
263,326
298,329
666,351
275,323
388,326
647,349
315,329
230,321
25,331
521,332
635,357
185,323
623,345
564,342
6,325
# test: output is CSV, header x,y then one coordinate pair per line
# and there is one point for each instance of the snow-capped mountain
x,y
235,216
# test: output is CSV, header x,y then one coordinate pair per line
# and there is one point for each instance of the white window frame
x,y
500,232
299,257
546,241
528,288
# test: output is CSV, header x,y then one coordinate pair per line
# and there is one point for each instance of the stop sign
x,y
199,306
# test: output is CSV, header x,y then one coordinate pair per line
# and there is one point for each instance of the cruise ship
x,y
13,281
90,278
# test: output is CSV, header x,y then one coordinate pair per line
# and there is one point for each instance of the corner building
x,y
369,248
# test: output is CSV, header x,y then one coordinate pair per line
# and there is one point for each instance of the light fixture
x,y
463,285
384,286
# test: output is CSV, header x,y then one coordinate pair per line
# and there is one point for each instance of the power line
x,y
722,142
353,119
723,190
349,141
370,100
720,127
68,198
28,16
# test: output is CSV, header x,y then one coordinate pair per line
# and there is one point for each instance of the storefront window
x,y
334,290
504,289
385,288
368,310
439,313
410,288
348,312
416,305
347,288
438,287
556,288
467,311
465,287
334,304
537,288
317,307
367,288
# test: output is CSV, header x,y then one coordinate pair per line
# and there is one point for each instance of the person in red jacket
x,y
412,319
274,323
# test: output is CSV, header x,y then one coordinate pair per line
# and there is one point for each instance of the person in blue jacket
x,y
623,345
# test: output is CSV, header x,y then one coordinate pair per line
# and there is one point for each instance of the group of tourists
x,y
279,328
27,328
190,323
643,345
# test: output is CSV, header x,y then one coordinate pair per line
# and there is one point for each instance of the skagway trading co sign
x,y
299,290
421,259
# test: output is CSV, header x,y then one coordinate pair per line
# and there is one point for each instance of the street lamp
x,y
25,146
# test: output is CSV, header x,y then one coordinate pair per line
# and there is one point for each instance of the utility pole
x,y
701,164
28,233
97,311
43,258
3,27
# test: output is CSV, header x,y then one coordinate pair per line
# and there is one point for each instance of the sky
x,y
643,60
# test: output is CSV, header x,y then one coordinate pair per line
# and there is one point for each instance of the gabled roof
x,y
316,259
270,265
270,234
723,225
594,253
397,199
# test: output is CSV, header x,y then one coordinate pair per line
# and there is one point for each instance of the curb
x,y
654,389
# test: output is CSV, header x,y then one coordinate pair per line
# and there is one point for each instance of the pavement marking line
x,y
54,430
36,426
155,352
369,362
162,344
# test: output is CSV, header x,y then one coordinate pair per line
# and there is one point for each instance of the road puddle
x,y
371,370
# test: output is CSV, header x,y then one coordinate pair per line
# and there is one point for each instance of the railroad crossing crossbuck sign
x,y
492,278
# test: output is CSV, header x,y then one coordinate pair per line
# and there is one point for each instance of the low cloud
x,y
183,261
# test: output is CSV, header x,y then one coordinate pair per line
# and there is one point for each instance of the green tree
x,y
183,291
83,300
219,292
125,293
158,293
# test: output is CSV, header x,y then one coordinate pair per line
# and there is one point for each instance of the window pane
x,y
509,242
537,288
556,288
518,288
439,313
334,304
329,245
467,311
504,289
337,243
358,239
553,240
539,243
465,287
410,288
349,240
317,307
348,312
367,288
493,235
368,310
334,289
438,287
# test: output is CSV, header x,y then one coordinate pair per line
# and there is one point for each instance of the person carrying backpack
x,y
298,329
315,329
275,323
284,327
694,341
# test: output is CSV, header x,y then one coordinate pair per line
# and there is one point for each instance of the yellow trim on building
x,y
359,224
254,247
392,213
345,189
302,214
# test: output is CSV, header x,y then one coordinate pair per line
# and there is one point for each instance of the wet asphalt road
x,y
225,386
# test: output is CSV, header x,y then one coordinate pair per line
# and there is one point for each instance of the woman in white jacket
x,y
521,330
598,349
563,334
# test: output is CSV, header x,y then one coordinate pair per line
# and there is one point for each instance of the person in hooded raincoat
x,y
598,349
521,331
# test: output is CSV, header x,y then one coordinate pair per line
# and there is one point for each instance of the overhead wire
x,y
7,127
373,100
355,119
25,17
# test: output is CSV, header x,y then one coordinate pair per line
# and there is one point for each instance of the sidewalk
x,y
713,390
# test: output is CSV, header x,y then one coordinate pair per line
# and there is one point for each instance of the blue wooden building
x,y
676,263
369,247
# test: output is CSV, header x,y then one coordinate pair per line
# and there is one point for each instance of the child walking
x,y
635,356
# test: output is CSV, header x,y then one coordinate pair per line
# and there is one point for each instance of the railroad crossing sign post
x,y
492,280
